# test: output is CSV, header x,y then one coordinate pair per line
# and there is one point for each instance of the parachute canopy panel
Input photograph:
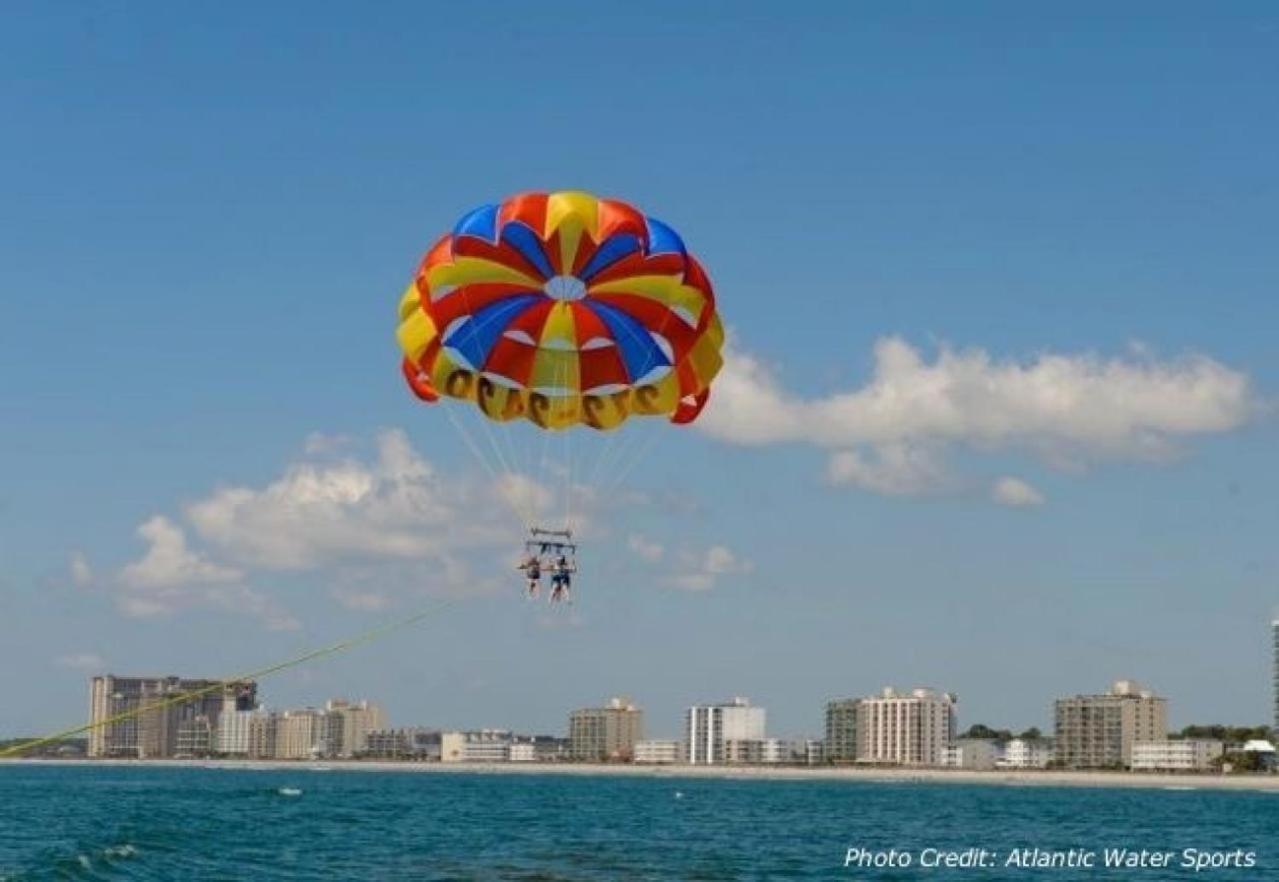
x,y
562,308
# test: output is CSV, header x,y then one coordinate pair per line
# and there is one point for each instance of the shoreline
x,y
1007,778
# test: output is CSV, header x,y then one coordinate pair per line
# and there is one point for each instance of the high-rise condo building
x,y
1274,634
347,726
299,734
1098,731
708,728
147,717
605,733
841,730
909,729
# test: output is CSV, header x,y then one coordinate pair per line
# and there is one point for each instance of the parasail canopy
x,y
562,308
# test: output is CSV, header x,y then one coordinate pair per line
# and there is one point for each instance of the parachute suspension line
x,y
526,492
479,456
183,697
510,485
568,463
511,480
641,451
638,450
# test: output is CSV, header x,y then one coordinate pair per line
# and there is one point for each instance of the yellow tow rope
x,y
182,697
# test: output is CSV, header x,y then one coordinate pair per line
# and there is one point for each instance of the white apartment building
x,y
708,727
1026,753
658,752
910,729
1188,755
233,731
482,746
521,752
972,753
756,751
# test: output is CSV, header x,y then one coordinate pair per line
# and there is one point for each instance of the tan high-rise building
x,y
347,726
1098,731
298,734
147,717
908,729
600,734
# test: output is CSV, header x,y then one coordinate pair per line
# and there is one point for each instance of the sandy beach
x,y
1018,778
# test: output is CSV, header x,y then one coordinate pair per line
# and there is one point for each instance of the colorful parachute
x,y
562,308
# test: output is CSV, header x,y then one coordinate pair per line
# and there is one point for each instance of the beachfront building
x,y
347,726
196,738
299,734
658,752
708,727
1182,755
520,751
143,718
756,751
551,748
1026,753
604,734
980,754
479,746
841,730
1099,731
908,729
233,732
1274,635
412,743
263,727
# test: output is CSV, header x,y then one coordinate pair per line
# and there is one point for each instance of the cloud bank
x,y
1071,411
366,523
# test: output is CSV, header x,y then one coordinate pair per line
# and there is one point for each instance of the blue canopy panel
x,y
481,223
475,337
611,250
640,353
662,239
522,238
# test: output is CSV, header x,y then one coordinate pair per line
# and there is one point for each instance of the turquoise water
x,y
165,823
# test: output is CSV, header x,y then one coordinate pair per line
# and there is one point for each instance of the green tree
x,y
981,730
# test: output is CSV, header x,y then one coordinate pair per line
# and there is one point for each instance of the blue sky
x,y
1065,218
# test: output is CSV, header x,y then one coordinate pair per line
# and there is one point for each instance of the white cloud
x,y
644,548
899,469
1015,492
81,661
372,528
168,563
170,577
364,601
701,572
888,434
396,507
320,444
81,572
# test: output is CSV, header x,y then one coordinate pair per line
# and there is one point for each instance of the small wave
x,y
120,851
83,860
289,791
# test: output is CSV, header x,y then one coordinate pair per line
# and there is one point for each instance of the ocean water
x,y
89,822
